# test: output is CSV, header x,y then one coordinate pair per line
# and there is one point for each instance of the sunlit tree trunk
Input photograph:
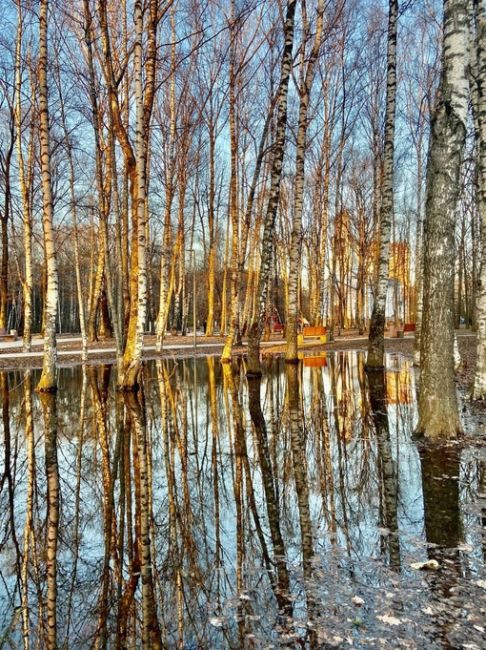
x,y
438,411
48,378
256,328
376,341
25,184
305,87
144,104
234,329
211,224
5,167
167,261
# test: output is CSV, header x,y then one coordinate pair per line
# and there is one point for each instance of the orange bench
x,y
317,331
409,327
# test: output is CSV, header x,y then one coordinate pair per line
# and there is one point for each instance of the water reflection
x,y
214,511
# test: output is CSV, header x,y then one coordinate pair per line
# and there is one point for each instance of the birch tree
x,y
305,87
256,328
478,93
25,181
376,340
438,411
47,381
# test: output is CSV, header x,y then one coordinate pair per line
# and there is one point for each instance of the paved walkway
x,y
16,346
93,351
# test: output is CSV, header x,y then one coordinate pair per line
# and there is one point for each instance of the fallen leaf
x,y
430,565
389,620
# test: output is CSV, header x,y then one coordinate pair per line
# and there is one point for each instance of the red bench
x,y
409,327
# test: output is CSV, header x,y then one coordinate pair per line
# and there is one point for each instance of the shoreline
x,y
177,347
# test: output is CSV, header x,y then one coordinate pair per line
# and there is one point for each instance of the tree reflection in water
x,y
210,511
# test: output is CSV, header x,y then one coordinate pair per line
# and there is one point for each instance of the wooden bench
x,y
8,337
315,332
409,327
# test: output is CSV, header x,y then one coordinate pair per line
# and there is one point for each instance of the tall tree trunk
x,y
234,330
105,180
376,341
296,237
25,184
47,381
478,91
438,412
211,224
5,219
256,328
138,271
167,262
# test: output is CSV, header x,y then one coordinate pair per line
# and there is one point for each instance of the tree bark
x,y
376,340
234,329
438,411
47,381
256,329
296,237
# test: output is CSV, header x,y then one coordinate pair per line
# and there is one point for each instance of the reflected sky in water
x,y
212,511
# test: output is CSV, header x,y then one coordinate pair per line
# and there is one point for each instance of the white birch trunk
x,y
376,341
134,345
24,188
438,410
296,237
256,328
47,381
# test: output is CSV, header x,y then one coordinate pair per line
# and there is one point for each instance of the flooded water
x,y
213,511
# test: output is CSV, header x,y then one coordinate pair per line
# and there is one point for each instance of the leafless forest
x,y
265,177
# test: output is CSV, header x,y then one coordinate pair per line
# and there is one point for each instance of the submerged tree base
x,y
292,360
438,422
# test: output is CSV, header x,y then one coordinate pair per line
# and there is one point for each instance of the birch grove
x,y
250,152
242,323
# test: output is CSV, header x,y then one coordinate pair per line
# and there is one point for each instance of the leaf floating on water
x,y
389,620
430,565
357,601
216,621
